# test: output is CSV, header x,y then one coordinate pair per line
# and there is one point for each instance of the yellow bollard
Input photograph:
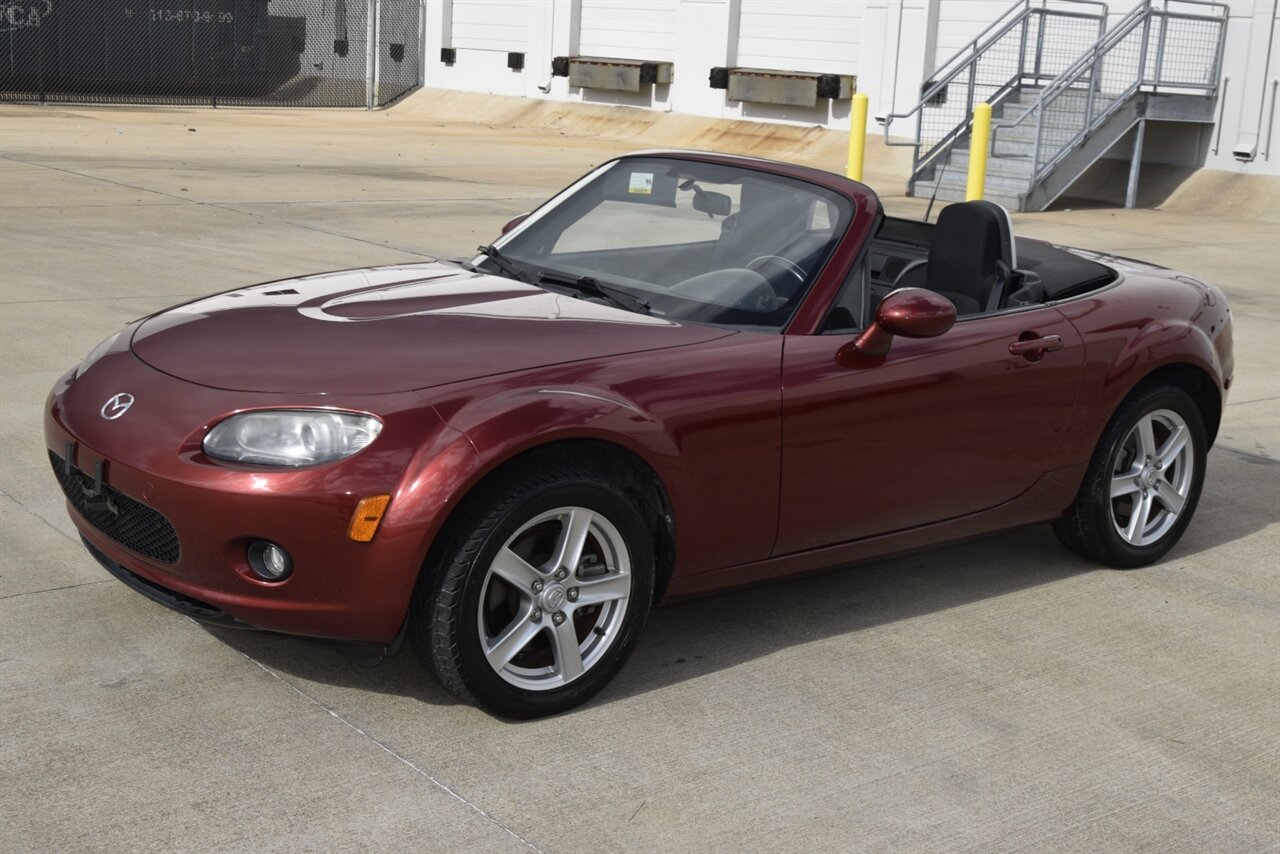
x,y
979,142
857,136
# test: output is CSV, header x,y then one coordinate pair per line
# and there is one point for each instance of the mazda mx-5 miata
x,y
686,372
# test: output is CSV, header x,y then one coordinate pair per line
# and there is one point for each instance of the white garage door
x,y
628,29
823,36
491,24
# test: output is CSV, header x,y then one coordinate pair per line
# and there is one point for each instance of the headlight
x,y
97,353
291,437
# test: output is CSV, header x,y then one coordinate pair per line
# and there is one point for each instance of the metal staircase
x,y
1064,90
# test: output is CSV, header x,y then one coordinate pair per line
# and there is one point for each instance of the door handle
x,y
1034,348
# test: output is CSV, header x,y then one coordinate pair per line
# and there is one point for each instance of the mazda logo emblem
x,y
117,405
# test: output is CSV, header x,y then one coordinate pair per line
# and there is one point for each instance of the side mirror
x,y
514,221
715,204
909,312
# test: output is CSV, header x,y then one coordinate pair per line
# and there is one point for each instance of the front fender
x,y
428,491
483,433
506,424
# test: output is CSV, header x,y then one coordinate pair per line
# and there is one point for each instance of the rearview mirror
x,y
716,204
909,312
514,221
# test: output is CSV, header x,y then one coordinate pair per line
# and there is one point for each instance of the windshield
x,y
688,240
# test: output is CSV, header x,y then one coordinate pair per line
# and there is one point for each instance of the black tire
x,y
1088,527
446,624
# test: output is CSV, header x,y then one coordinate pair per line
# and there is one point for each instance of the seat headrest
x,y
969,239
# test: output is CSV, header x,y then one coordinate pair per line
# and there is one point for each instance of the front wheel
x,y
1144,481
541,594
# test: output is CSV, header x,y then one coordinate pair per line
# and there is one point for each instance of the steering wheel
x,y
790,266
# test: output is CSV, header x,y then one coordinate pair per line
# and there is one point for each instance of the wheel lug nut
x,y
561,573
557,618
573,594
536,615
537,587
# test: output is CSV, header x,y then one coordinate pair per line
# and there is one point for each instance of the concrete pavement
x,y
998,695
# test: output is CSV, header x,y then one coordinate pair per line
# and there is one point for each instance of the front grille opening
x,y
134,525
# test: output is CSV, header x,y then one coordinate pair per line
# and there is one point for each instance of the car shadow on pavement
x,y
687,640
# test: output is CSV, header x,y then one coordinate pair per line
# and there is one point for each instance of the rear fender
x,y
1119,357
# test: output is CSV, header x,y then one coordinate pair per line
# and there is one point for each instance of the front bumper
x,y
149,462
174,601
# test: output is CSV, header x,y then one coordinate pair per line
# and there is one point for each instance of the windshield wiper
x,y
502,262
594,287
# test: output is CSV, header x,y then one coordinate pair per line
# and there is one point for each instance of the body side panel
x,y
939,428
1042,502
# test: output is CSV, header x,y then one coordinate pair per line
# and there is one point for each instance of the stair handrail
x,y
1091,61
969,52
967,57
1087,60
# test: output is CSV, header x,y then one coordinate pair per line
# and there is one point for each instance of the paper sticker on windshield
x,y
641,184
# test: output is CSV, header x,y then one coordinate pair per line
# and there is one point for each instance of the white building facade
x,y
892,47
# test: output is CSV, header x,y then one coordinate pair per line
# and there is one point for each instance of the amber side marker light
x,y
368,515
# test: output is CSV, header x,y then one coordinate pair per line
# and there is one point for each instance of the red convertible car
x,y
686,372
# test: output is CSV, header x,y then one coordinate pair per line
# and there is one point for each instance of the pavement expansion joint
x,y
43,521
444,787
56,589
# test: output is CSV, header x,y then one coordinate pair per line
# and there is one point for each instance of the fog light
x,y
269,561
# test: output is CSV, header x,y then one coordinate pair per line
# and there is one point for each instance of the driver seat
x,y
971,259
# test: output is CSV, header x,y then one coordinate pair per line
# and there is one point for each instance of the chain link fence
x,y
289,53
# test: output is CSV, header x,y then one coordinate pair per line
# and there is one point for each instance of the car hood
x,y
389,329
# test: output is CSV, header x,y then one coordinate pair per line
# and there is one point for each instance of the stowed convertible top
x,y
1061,273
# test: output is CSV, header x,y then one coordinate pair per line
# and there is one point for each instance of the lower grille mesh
x,y
133,525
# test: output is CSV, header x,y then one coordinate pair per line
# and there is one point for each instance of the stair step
x,y
1012,167
1071,92
1026,132
1011,143
1061,105
994,183
1030,95
1005,147
1055,115
947,194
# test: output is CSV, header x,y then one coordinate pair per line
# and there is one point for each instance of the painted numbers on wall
x,y
19,14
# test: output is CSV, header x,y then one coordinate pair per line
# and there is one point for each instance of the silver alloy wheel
x,y
554,598
1151,478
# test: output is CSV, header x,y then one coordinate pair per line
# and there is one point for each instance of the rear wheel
x,y
541,594
1144,481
